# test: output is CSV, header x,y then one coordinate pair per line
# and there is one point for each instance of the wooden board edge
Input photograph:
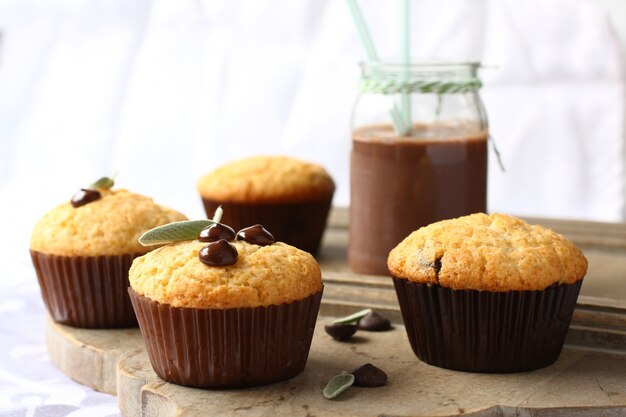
x,y
83,363
90,356
128,389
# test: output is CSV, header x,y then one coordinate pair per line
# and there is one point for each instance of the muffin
x,y
290,197
487,293
82,253
227,313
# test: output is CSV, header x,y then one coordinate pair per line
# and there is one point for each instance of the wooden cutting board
x,y
589,379
90,356
582,382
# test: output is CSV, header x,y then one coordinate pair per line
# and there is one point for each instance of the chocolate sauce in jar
x,y
398,185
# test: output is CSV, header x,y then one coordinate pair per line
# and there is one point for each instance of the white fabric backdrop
x,y
163,91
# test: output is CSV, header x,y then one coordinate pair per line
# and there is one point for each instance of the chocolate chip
x,y
437,265
256,235
220,253
215,232
85,196
369,376
374,322
340,332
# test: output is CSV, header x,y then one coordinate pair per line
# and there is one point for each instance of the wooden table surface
x,y
589,375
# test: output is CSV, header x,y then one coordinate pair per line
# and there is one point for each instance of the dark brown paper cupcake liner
x,y
227,348
299,224
86,291
481,331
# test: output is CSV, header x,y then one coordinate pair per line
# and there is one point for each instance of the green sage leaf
x,y
353,318
337,385
104,183
173,232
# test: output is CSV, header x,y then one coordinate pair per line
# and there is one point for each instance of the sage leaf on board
x,y
337,385
353,318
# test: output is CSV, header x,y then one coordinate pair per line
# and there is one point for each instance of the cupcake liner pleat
x,y
481,331
227,348
86,291
300,224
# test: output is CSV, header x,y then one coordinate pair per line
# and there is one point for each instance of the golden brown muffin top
x,y
110,225
489,253
267,179
262,276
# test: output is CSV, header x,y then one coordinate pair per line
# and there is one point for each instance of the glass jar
x,y
419,154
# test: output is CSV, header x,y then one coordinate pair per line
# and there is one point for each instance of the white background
x,y
163,91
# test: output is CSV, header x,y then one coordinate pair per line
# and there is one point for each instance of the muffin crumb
x,y
267,179
261,276
110,225
494,252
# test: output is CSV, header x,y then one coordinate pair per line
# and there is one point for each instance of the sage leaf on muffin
x,y
337,385
177,231
353,318
104,183
174,232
